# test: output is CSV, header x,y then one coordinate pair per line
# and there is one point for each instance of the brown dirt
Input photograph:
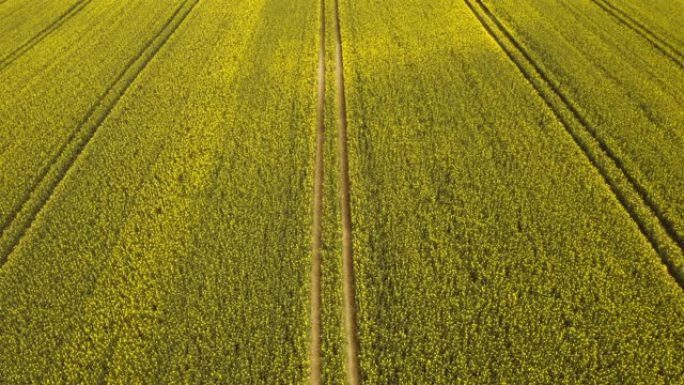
x,y
348,278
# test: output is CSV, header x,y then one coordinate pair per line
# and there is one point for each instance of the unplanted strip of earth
x,y
348,278
57,168
40,36
657,230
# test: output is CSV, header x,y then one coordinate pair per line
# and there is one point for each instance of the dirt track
x,y
349,284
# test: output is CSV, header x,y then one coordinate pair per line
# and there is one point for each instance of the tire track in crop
x,y
656,41
43,187
632,196
45,32
348,278
316,259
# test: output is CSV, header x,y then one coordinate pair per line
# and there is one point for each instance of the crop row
x,y
52,173
651,221
22,21
51,96
640,29
488,247
177,247
515,184
623,87
44,33
660,19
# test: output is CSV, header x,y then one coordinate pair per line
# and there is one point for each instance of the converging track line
x,y
657,42
54,172
665,223
317,236
348,278
549,92
40,36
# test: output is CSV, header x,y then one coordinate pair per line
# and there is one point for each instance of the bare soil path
x,y
348,278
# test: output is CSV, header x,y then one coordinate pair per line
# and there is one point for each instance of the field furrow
x,y
661,17
21,50
488,245
55,170
627,190
348,277
162,269
21,21
618,93
631,180
334,353
341,192
626,18
52,101
663,46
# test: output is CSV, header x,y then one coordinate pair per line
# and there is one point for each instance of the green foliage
x,y
22,20
49,92
495,240
176,249
488,248
630,93
660,17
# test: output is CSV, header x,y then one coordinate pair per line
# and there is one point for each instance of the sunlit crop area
x,y
342,192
